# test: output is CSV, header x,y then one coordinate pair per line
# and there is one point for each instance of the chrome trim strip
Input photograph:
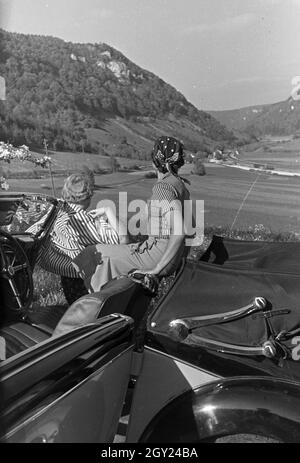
x,y
57,349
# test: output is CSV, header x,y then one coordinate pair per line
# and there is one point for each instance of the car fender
x,y
262,406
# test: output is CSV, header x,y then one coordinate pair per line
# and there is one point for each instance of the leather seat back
x,y
20,336
120,295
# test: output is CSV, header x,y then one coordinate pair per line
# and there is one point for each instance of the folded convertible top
x,y
282,257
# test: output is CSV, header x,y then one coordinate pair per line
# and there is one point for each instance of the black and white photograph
x,y
149,224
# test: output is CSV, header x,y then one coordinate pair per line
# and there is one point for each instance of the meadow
x,y
273,201
282,153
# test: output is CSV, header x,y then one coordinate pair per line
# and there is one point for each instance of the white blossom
x,y
8,153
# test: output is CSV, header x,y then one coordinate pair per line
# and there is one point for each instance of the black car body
x,y
216,359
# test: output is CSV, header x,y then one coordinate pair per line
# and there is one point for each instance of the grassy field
x,y
273,201
65,163
283,155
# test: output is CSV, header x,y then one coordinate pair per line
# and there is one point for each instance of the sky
x,y
221,54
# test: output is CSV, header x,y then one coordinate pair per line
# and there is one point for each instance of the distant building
x,y
226,155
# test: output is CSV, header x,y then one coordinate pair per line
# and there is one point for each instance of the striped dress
x,y
73,231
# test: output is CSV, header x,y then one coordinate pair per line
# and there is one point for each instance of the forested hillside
x,y
57,90
281,118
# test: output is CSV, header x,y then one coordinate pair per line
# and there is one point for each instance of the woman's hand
x,y
111,218
147,278
143,272
98,212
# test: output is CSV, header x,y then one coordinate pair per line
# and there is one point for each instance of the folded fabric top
x,y
282,257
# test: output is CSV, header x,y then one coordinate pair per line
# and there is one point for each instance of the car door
x,y
68,388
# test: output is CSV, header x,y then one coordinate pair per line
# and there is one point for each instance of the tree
x,y
201,155
101,151
198,167
89,175
114,163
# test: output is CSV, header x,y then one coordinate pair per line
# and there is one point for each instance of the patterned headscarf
x,y
167,151
167,155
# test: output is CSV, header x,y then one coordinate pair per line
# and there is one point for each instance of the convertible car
x,y
217,359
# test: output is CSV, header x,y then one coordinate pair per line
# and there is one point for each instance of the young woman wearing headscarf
x,y
161,253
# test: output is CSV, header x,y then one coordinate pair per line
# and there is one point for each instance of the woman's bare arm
x,y
119,225
175,222
177,235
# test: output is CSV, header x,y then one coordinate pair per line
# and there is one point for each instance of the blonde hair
x,y
76,188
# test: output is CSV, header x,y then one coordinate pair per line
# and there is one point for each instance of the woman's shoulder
x,y
163,190
174,184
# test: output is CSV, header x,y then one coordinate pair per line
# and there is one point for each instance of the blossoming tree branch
x,y
9,153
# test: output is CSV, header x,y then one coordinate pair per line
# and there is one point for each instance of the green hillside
x,y
281,118
66,92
